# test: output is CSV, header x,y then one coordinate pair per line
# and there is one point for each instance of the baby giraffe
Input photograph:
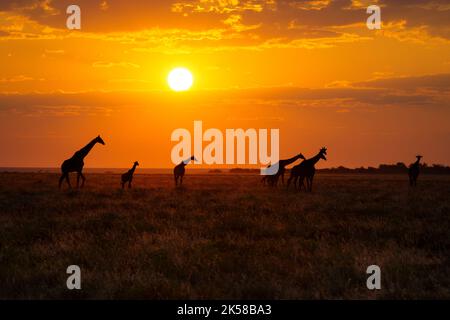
x,y
179,170
128,176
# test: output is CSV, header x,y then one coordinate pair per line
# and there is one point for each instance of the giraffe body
x,y
282,164
128,176
179,170
306,170
414,171
76,163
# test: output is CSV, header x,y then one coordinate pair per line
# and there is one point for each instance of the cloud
x,y
54,51
435,82
424,91
60,111
221,6
238,23
19,78
106,64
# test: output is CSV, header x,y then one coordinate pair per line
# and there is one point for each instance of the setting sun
x,y
180,79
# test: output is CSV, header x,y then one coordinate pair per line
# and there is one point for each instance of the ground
x,y
224,236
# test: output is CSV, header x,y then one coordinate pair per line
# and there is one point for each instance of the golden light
x,y
180,79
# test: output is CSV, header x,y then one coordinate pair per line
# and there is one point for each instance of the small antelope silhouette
x,y
413,172
76,163
179,170
306,169
128,176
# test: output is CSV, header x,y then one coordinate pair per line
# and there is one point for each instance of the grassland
x,y
224,237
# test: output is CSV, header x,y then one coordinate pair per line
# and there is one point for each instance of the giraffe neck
x,y
133,169
289,161
417,162
314,159
83,152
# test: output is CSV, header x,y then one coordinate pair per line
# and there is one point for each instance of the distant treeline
x,y
400,167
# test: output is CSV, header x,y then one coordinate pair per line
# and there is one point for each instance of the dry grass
x,y
224,237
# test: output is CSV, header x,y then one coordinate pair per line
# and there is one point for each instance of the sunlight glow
x,y
180,79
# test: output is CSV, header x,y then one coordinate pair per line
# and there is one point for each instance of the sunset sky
x,y
310,68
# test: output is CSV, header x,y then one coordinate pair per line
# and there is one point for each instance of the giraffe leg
x,y
288,182
282,178
83,179
68,180
123,184
78,179
129,183
176,180
181,180
63,176
300,183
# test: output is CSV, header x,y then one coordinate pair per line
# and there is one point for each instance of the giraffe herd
x,y
305,170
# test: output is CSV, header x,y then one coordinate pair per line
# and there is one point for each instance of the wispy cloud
x,y
122,64
19,78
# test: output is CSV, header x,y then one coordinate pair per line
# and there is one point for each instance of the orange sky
x,y
310,68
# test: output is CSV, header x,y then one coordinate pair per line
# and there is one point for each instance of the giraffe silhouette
x,y
306,169
413,172
128,176
179,170
282,164
76,163
265,178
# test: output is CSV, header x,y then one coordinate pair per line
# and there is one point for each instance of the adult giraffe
x,y
306,169
179,170
282,164
413,172
128,176
76,163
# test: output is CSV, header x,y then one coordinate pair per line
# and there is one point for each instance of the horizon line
x,y
212,167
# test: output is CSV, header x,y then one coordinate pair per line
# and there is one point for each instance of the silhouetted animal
x,y
306,169
265,178
179,170
413,172
282,164
128,176
76,163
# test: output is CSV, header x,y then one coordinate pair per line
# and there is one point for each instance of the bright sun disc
x,y
180,79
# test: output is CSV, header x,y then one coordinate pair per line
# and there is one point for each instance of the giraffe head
x,y
99,140
419,157
301,156
323,153
189,160
136,163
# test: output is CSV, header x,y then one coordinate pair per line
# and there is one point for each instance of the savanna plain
x,y
224,236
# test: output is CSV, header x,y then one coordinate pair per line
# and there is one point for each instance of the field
x,y
224,236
